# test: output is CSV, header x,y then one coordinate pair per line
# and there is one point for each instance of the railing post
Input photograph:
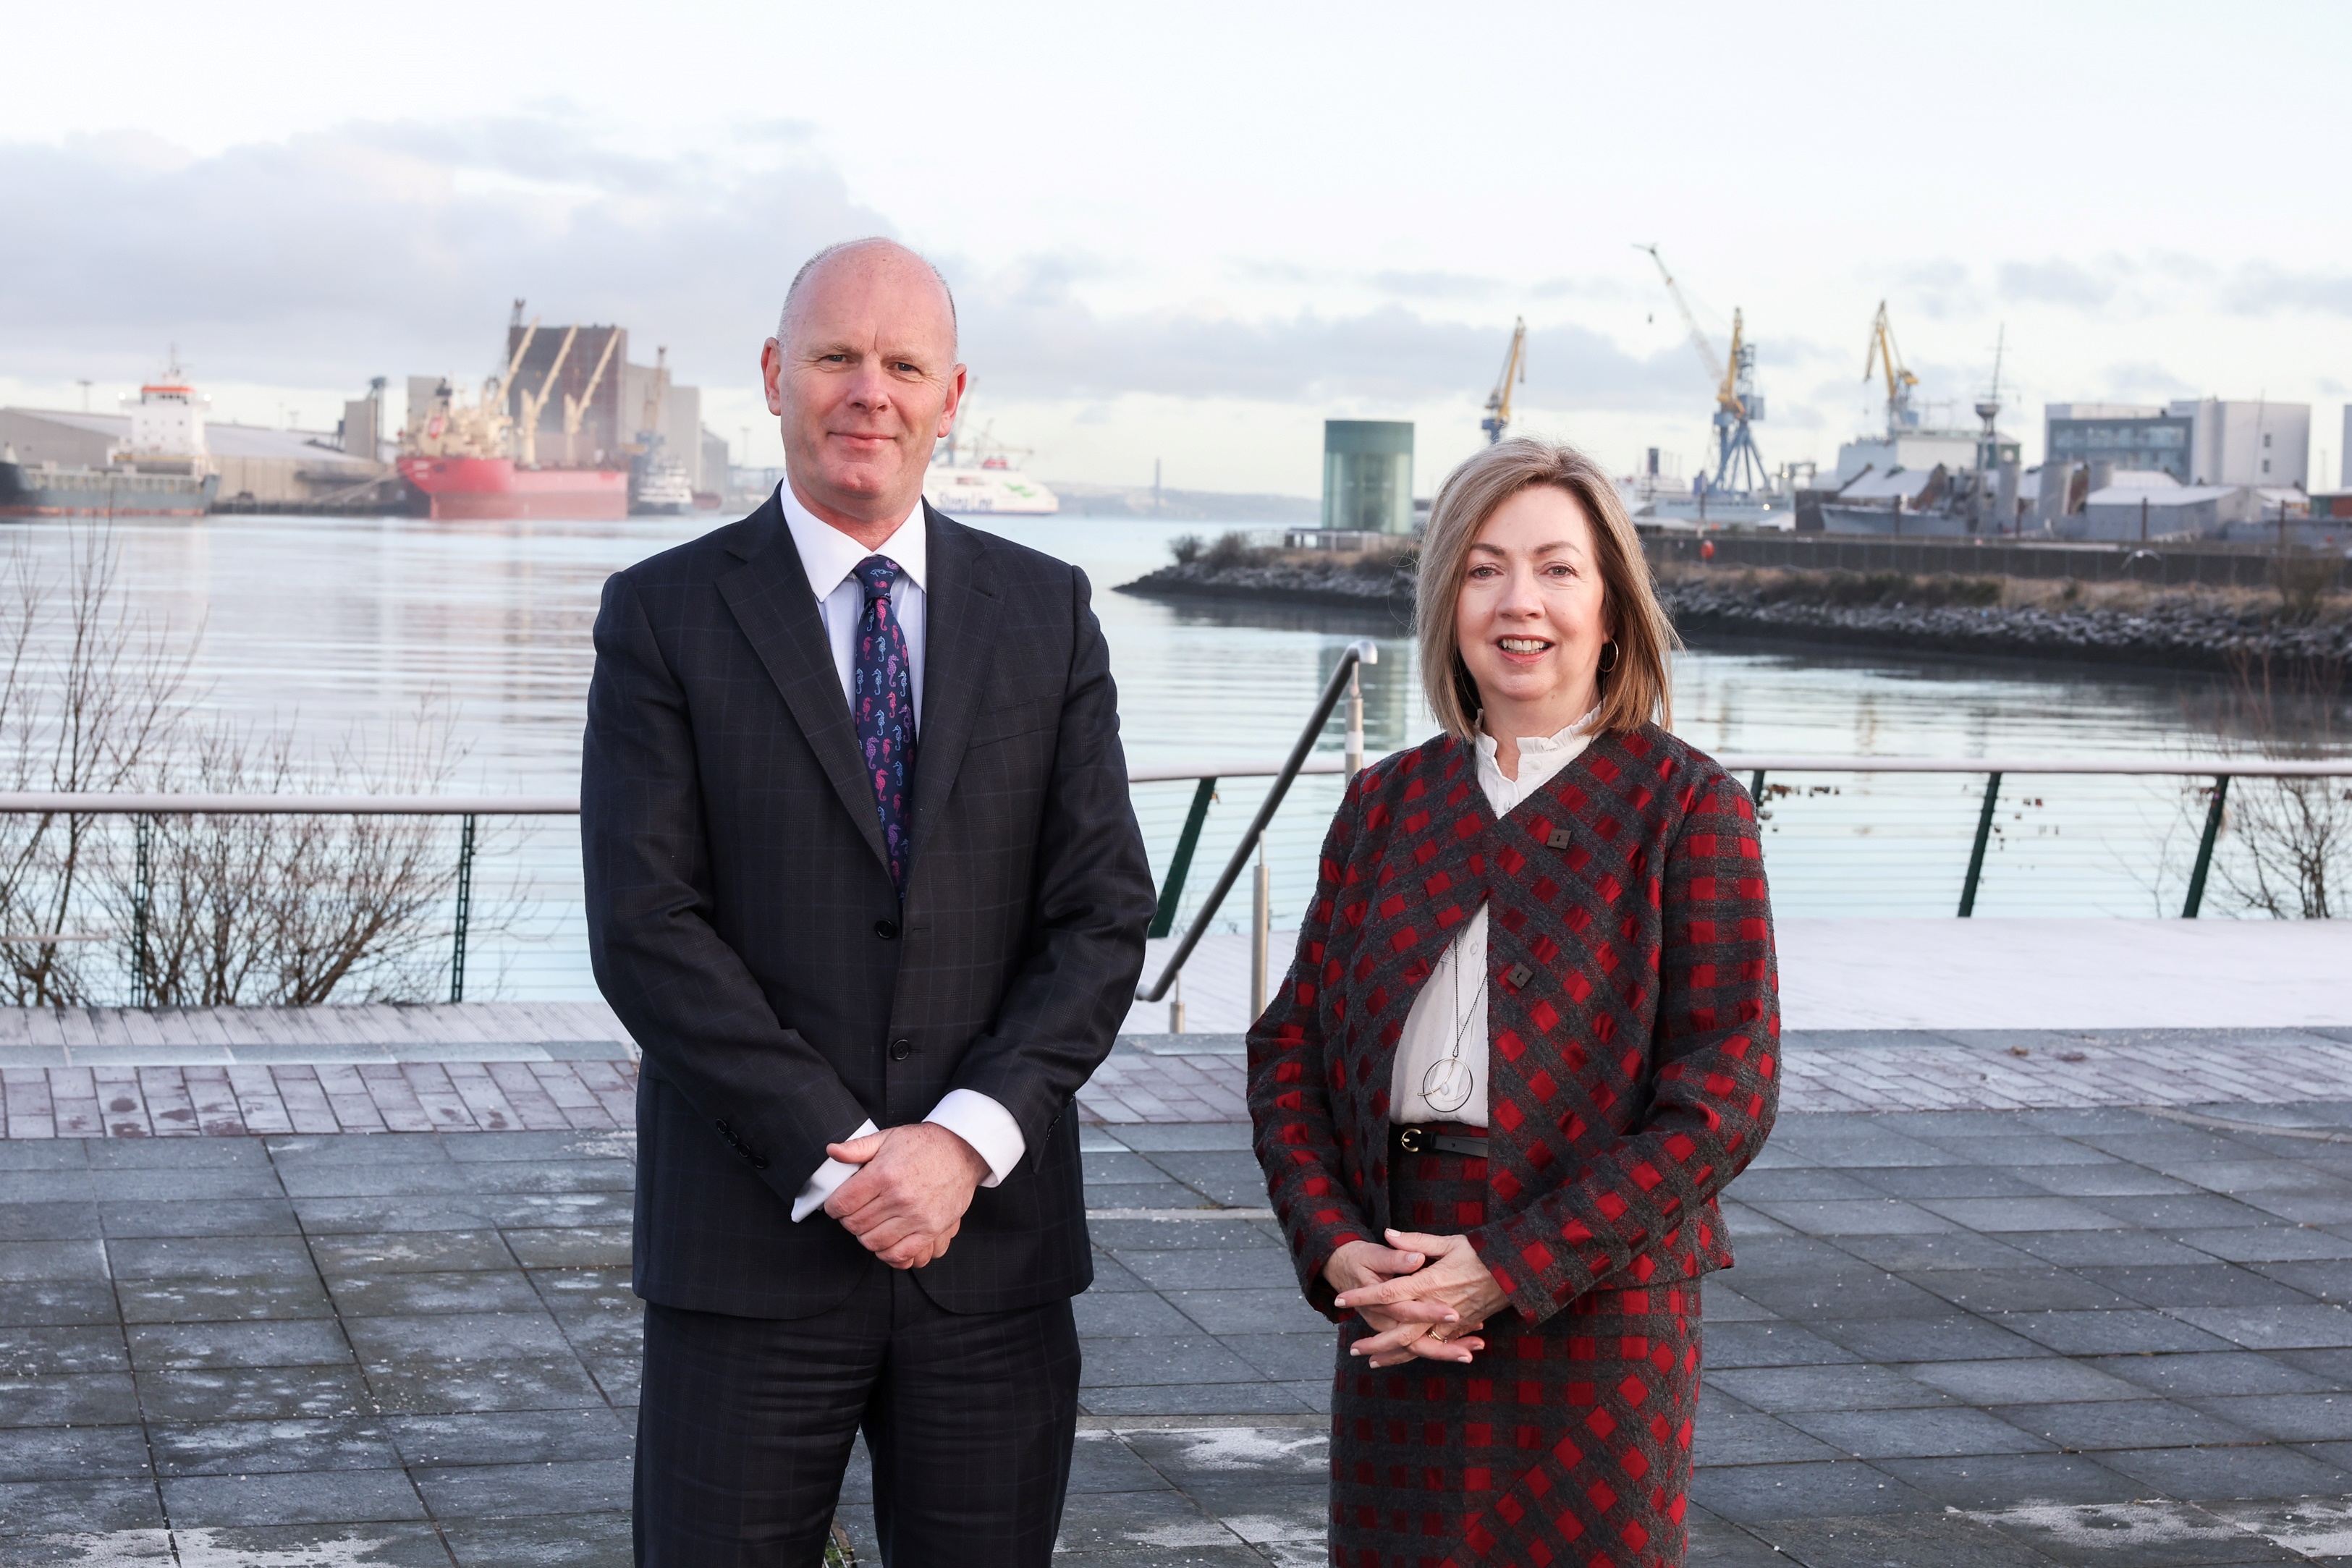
x,y
1353,753
1976,855
1756,789
2205,849
464,909
142,898
1261,926
1163,919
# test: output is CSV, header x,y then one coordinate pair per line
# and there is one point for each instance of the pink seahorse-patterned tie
x,y
882,701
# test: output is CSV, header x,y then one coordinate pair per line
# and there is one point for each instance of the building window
x,y
2266,461
2266,440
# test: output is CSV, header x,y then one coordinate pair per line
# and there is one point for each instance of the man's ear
x,y
772,372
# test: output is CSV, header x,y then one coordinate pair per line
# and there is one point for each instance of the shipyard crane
x,y
533,403
1515,368
494,391
1899,379
576,409
649,437
1739,467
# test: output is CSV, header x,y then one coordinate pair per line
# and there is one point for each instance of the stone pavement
x,y
2008,1338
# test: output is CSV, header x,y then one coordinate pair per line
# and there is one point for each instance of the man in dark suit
x,y
863,882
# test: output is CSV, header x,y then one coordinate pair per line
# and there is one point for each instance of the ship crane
x,y
533,403
1900,415
576,409
1514,369
1739,467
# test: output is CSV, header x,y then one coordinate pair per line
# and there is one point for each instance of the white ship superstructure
x,y
995,488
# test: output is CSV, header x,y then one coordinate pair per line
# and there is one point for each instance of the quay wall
x,y
2180,629
2205,564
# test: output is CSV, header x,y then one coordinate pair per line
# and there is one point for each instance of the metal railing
x,y
1344,684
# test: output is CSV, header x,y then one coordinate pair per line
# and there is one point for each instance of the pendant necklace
x,y
1447,1086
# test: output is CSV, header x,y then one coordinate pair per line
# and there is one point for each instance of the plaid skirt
x,y
1568,1442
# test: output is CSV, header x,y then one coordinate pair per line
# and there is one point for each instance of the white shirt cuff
x,y
829,1175
986,1125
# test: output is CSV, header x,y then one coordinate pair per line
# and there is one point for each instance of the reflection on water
x,y
338,625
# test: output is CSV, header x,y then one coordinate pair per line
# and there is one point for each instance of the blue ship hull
x,y
42,492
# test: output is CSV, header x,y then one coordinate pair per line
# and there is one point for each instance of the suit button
x,y
886,929
901,1049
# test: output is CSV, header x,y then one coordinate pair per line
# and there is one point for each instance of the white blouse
x,y
1454,1002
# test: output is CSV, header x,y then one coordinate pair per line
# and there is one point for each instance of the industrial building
x,y
257,465
2196,441
1368,475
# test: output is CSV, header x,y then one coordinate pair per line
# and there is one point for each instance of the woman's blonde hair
x,y
1633,690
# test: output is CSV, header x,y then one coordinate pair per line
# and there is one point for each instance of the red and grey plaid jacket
x,y
1634,1014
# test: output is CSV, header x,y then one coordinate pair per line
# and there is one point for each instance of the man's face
x,y
865,384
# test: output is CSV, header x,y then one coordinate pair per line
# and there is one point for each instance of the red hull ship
x,y
493,489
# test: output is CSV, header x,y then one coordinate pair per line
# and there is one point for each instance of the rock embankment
x,y
2191,629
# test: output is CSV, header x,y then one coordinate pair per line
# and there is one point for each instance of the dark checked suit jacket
x,y
743,925
1634,1012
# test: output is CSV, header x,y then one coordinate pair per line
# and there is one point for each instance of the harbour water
x,y
339,629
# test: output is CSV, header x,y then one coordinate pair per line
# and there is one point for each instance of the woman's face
x,y
1531,618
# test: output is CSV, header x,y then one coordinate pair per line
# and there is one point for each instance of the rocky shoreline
x,y
2195,630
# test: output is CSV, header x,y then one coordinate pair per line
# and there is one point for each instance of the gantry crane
x,y
1899,379
1515,368
1739,466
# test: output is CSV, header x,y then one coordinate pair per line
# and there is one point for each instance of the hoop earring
x,y
1609,649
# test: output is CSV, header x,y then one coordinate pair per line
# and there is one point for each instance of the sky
x,y
1187,234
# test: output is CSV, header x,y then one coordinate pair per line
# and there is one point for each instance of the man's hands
x,y
907,1202
1423,1295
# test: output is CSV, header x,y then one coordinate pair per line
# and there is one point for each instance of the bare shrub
x,y
1187,547
292,911
90,698
1233,549
2289,840
2304,583
199,909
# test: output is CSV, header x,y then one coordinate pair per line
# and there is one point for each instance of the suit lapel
x,y
772,601
959,635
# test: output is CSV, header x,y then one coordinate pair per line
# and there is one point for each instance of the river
x,y
339,629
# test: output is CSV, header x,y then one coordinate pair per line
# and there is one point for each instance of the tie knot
x,y
876,573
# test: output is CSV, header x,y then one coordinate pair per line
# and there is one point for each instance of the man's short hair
x,y
784,317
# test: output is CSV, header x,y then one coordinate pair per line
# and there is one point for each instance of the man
x,y
864,884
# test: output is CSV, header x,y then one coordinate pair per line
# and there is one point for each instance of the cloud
x,y
1025,330
387,249
2263,289
395,248
2055,282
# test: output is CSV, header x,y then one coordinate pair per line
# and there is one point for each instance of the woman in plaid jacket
x,y
1530,1031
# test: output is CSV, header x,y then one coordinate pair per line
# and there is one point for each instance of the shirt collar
x,y
829,556
1487,748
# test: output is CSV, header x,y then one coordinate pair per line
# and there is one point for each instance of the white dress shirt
x,y
1450,1002
830,558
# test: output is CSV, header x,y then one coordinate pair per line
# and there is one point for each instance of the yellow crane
x,y
1899,379
1738,465
1514,369
576,409
534,402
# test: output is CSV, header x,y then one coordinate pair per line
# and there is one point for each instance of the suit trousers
x,y
745,1425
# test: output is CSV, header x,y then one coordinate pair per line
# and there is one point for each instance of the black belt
x,y
1420,1140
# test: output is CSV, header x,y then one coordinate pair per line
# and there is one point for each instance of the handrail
x,y
99,803
1362,650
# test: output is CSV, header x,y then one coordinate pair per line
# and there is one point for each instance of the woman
x,y
1530,1033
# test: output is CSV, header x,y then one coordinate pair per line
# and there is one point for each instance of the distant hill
x,y
1182,506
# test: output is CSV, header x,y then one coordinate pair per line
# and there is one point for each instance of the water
x,y
340,629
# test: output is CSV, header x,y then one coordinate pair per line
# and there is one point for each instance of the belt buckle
x,y
1412,1140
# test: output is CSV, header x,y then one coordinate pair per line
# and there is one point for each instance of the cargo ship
x,y
45,490
495,489
474,462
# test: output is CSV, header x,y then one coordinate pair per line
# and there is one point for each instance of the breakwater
x,y
2128,623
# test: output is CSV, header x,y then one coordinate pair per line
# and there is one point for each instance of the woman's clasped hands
x,y
1425,1296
